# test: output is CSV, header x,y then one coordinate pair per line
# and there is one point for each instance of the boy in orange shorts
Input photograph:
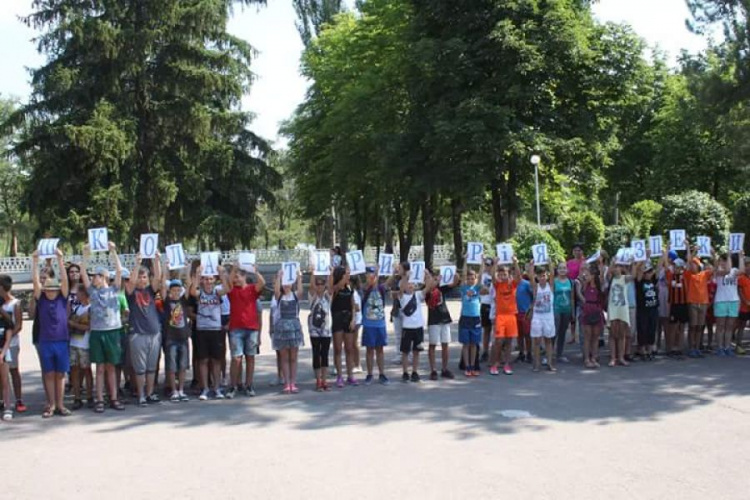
x,y
506,327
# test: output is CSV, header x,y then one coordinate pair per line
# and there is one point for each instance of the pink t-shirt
x,y
574,268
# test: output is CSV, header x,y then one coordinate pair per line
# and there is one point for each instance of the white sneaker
x,y
204,395
357,369
219,394
175,397
8,415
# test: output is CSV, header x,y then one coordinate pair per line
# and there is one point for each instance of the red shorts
x,y
506,326
524,325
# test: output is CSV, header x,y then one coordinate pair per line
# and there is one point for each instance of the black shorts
x,y
210,344
484,313
411,339
341,322
678,313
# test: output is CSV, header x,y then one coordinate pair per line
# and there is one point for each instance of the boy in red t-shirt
x,y
506,326
244,325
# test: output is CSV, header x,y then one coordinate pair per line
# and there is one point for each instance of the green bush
x,y
585,227
528,234
698,214
616,237
741,223
643,217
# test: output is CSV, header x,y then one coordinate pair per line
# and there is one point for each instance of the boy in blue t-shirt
x,y
470,324
524,299
374,335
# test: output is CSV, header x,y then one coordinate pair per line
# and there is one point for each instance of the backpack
x,y
318,315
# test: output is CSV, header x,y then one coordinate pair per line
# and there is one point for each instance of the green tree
x,y
584,227
698,214
529,234
134,122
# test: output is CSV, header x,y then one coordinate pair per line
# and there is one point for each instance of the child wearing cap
x,y
80,362
374,334
177,329
696,280
52,303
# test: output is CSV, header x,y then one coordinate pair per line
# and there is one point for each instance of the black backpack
x,y
318,315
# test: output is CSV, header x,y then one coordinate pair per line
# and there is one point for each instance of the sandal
x,y
48,412
99,407
117,405
63,412
624,363
612,364
77,404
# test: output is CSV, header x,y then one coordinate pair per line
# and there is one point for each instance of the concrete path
x,y
660,430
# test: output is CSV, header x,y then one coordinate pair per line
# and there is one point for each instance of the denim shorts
x,y
243,342
177,356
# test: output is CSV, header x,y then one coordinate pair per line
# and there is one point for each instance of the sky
x,y
278,87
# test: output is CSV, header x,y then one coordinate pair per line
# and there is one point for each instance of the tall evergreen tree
x,y
135,121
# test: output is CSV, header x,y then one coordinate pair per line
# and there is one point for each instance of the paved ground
x,y
660,430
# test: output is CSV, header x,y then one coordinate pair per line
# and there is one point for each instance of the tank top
x,y
342,302
543,303
618,307
592,300
563,290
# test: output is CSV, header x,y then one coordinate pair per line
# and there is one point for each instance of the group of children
x,y
126,322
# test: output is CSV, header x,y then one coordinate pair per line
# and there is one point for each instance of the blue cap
x,y
175,283
672,255
124,274
370,269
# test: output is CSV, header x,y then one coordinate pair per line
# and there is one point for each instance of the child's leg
x,y
740,332
415,361
536,355
172,381
486,332
506,347
216,371
5,383
235,369
285,367
473,355
355,348
315,342
370,355
100,376
59,390
405,362
550,357
15,376
349,352
380,355
109,372
596,332
250,370
293,364
181,381
49,388
431,356
325,346
203,373
587,345
445,354
338,340
75,377
89,378
465,355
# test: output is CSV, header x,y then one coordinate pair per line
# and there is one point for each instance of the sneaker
x,y
507,370
415,377
231,393
485,357
368,380
494,370
340,382
405,377
250,391
153,399
544,361
20,407
175,397
447,374
739,350
219,394
142,402
7,415
433,375
319,385
383,379
563,359
352,382
475,373
294,389
521,358
468,373
184,398
204,395
729,352
719,352
357,369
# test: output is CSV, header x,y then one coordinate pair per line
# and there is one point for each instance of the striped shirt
x,y
677,288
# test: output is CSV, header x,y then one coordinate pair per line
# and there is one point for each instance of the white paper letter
x,y
736,242
385,264
639,250
677,239
656,245
289,277
447,275
99,239
210,263
149,245
417,272
540,254
504,253
47,247
322,263
356,262
474,251
246,261
704,246
176,256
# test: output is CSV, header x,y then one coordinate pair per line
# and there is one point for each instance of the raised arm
x,y
277,285
84,272
403,283
118,265
532,277
130,285
156,280
517,271
300,286
35,275
64,283
741,263
193,288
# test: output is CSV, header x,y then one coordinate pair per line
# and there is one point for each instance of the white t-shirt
x,y
358,303
486,283
9,307
543,303
81,313
416,320
726,287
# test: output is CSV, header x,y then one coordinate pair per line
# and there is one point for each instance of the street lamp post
x,y
535,160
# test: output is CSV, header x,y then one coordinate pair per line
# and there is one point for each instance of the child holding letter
x,y
506,310
543,317
439,325
319,327
470,322
287,329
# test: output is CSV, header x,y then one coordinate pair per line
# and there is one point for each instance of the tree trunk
x,y
497,210
388,234
511,205
429,228
458,235
405,227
